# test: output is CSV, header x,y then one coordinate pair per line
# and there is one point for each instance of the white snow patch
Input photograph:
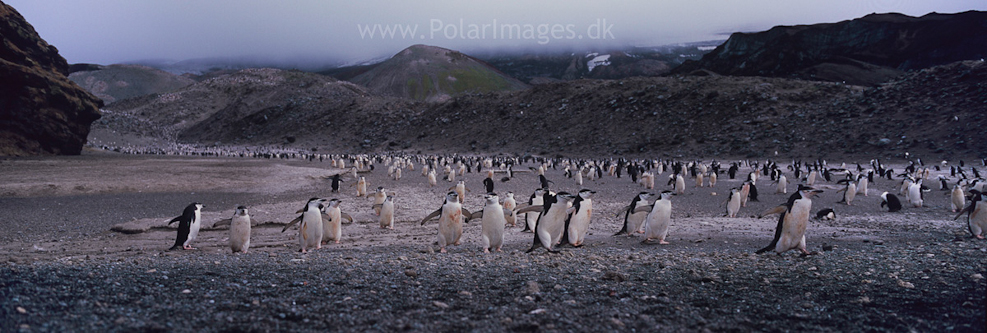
x,y
602,60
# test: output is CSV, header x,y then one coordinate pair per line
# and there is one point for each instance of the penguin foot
x,y
486,250
980,236
662,242
442,250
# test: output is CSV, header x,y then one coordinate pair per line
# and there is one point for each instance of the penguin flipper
x,y
644,208
474,215
377,206
346,216
466,213
293,222
508,212
772,211
968,209
530,209
621,211
176,219
431,216
222,222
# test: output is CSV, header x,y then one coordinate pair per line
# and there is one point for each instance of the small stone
x,y
440,305
977,277
410,273
827,247
152,270
272,255
537,311
186,291
532,288
21,310
906,284
465,293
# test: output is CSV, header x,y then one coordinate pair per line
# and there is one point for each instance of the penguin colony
x,y
563,218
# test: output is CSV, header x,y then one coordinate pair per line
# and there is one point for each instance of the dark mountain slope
x,y
41,111
864,51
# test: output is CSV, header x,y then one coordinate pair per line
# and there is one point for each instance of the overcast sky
x,y
115,31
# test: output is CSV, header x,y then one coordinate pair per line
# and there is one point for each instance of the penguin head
x,y
491,198
565,196
644,195
665,195
334,203
586,193
452,196
510,194
241,211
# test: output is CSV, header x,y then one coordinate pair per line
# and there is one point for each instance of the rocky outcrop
x,y
431,73
864,51
41,111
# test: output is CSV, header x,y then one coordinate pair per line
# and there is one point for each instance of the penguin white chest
x,y
194,227
795,223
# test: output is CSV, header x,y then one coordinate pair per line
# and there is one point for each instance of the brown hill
x,y
430,73
937,113
116,82
255,107
863,51
41,111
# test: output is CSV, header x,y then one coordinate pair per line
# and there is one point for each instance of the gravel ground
x,y
61,269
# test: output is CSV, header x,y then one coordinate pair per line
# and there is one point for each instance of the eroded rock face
x,y
41,111
864,51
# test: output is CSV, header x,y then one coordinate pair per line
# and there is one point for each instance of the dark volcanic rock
x,y
41,111
864,51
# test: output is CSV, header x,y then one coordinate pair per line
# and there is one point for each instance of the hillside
x,y
429,73
255,107
937,112
116,82
41,111
864,51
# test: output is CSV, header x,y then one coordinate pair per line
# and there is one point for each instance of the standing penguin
x,y
915,194
379,196
551,223
488,184
387,213
577,224
745,191
890,200
862,182
240,230
493,220
335,183
460,189
451,216
957,199
188,226
310,231
849,192
792,222
656,225
332,229
536,199
510,204
633,219
361,187
976,217
733,202
782,184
